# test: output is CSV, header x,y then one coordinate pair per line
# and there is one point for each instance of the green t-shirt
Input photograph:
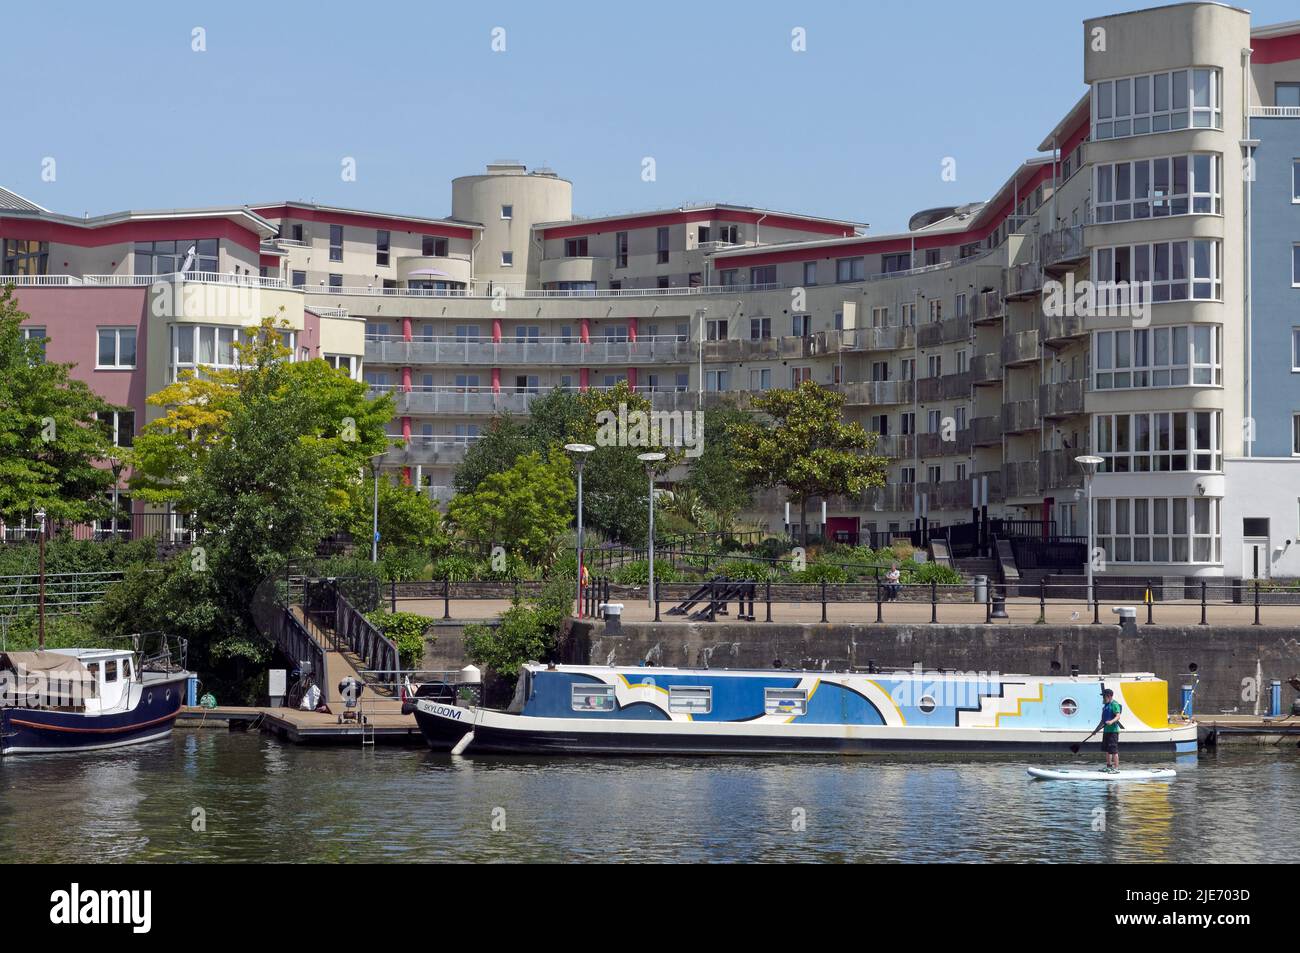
x,y
1108,711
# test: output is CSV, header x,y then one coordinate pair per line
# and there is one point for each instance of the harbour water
x,y
213,796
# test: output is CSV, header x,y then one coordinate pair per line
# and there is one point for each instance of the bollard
x,y
446,598
823,600
988,605
1042,598
934,601
1151,601
1256,622
1203,622
767,597
1275,698
656,603
1188,694
1096,606
879,616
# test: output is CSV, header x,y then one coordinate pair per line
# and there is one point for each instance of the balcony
x,y
933,445
864,339
1020,479
1059,471
937,333
578,270
947,387
948,495
1020,416
1064,399
570,352
482,401
428,451
1060,330
874,393
430,270
733,350
988,307
898,446
893,497
986,431
1020,282
1020,347
1062,249
986,370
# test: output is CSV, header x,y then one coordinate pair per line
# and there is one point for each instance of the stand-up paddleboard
x,y
1095,774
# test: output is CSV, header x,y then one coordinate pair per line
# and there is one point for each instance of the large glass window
x,y
1157,357
116,348
1158,102
1160,442
1157,188
383,240
1159,529
336,243
850,269
168,258
1176,271
22,257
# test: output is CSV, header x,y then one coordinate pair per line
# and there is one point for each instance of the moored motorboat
x,y
594,709
59,700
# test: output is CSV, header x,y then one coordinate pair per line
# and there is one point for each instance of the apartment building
x,y
1128,291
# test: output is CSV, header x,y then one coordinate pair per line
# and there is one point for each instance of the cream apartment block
x,y
949,340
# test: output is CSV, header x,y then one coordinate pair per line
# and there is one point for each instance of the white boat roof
x,y
91,655
882,670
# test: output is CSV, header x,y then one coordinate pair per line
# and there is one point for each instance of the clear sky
x,y
856,127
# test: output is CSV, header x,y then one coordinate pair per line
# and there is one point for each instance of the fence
x,y
169,527
65,593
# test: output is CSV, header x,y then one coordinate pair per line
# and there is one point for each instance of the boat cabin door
x,y
114,678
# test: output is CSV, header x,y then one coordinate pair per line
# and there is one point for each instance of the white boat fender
x,y
463,743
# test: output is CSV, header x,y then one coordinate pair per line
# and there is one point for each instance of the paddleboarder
x,y
1110,726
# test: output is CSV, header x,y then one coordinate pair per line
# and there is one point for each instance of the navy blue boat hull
x,y
44,731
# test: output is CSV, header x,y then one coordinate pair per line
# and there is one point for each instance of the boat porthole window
x,y
926,704
1069,706
169,695
148,697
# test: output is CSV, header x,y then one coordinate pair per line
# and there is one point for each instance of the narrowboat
x,y
59,700
596,709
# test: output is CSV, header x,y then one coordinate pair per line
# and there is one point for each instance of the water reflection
x,y
262,800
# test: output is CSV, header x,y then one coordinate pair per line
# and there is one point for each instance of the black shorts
x,y
1110,742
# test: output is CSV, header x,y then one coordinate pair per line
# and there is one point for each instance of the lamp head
x,y
1089,464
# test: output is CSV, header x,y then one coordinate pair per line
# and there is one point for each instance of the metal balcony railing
x,y
1020,347
1020,416
1063,399
1020,478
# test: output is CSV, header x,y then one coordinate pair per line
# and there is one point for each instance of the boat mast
x,y
40,611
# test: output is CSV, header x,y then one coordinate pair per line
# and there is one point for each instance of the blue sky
x,y
856,127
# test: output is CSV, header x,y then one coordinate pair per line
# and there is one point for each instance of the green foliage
x,y
805,446
748,570
49,438
61,632
406,630
83,555
720,486
527,631
410,527
456,567
817,572
524,509
928,572
637,573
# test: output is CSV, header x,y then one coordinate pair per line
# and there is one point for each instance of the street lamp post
x,y
40,612
374,525
650,459
1089,464
579,451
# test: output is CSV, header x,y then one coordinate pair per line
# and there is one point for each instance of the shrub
x,y
638,573
928,572
406,630
457,567
748,570
821,572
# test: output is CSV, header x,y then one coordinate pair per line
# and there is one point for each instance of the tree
x,y
495,451
50,441
524,509
410,527
714,478
806,447
268,458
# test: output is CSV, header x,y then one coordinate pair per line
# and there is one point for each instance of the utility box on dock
x,y
277,686
612,613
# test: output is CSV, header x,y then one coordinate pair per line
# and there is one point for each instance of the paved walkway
x,y
1020,611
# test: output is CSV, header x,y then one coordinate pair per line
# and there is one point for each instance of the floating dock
x,y
1213,730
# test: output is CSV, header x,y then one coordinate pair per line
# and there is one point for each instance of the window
x,y
800,374
934,474
763,275
1157,357
961,362
702,235
613,333
960,472
1176,271
507,211
1159,529
119,425
661,245
662,281
116,348
1286,94
336,243
727,277
336,281
729,234
38,335
197,346
959,306
466,332
531,334
760,329
809,273
1295,266
1159,102
760,379
110,670
168,258
850,269
1160,442
1069,706
715,380
907,423
907,475
431,246
880,317
935,365
575,248
801,325
907,368
299,279
933,256
1157,188
1295,349
690,700
716,329
23,257
785,701
590,697
934,419
1295,435
620,249
907,314
382,239
892,263
936,310
507,259
343,362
